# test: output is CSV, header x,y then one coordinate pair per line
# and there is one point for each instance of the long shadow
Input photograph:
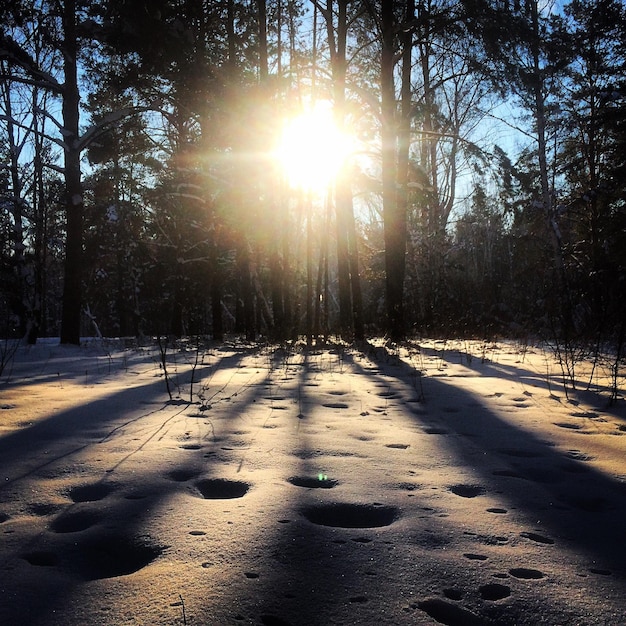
x,y
53,438
100,533
28,370
318,577
46,441
549,381
578,506
321,575
294,593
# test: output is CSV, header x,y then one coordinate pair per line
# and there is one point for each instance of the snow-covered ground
x,y
441,483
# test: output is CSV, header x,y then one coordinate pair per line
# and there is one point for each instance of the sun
x,y
312,150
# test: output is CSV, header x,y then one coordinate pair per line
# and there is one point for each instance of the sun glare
x,y
312,150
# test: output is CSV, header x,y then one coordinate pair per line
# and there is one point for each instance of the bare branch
x,y
113,117
16,55
13,121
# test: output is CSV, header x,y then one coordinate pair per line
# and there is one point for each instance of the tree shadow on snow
x,y
573,503
99,531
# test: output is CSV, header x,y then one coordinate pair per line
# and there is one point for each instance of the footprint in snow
x,y
449,614
577,455
41,509
453,594
536,537
91,492
320,481
568,425
221,489
467,491
181,475
526,573
494,591
75,521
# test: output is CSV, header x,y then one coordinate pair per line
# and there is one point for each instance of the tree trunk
x,y
247,292
72,284
394,218
18,291
216,296
355,277
350,298
404,126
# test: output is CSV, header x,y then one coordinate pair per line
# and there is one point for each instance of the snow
x,y
440,483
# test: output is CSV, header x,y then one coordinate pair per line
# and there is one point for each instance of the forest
x,y
483,194
312,312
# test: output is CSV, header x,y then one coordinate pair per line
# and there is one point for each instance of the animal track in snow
x,y
577,455
489,540
587,414
42,509
388,394
601,572
433,430
406,486
568,425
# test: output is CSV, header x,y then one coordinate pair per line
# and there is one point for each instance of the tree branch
x,y
16,55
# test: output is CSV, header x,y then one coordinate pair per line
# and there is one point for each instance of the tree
x,y
591,157
394,215
67,27
337,17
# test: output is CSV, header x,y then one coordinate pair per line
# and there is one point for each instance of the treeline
x,y
138,194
